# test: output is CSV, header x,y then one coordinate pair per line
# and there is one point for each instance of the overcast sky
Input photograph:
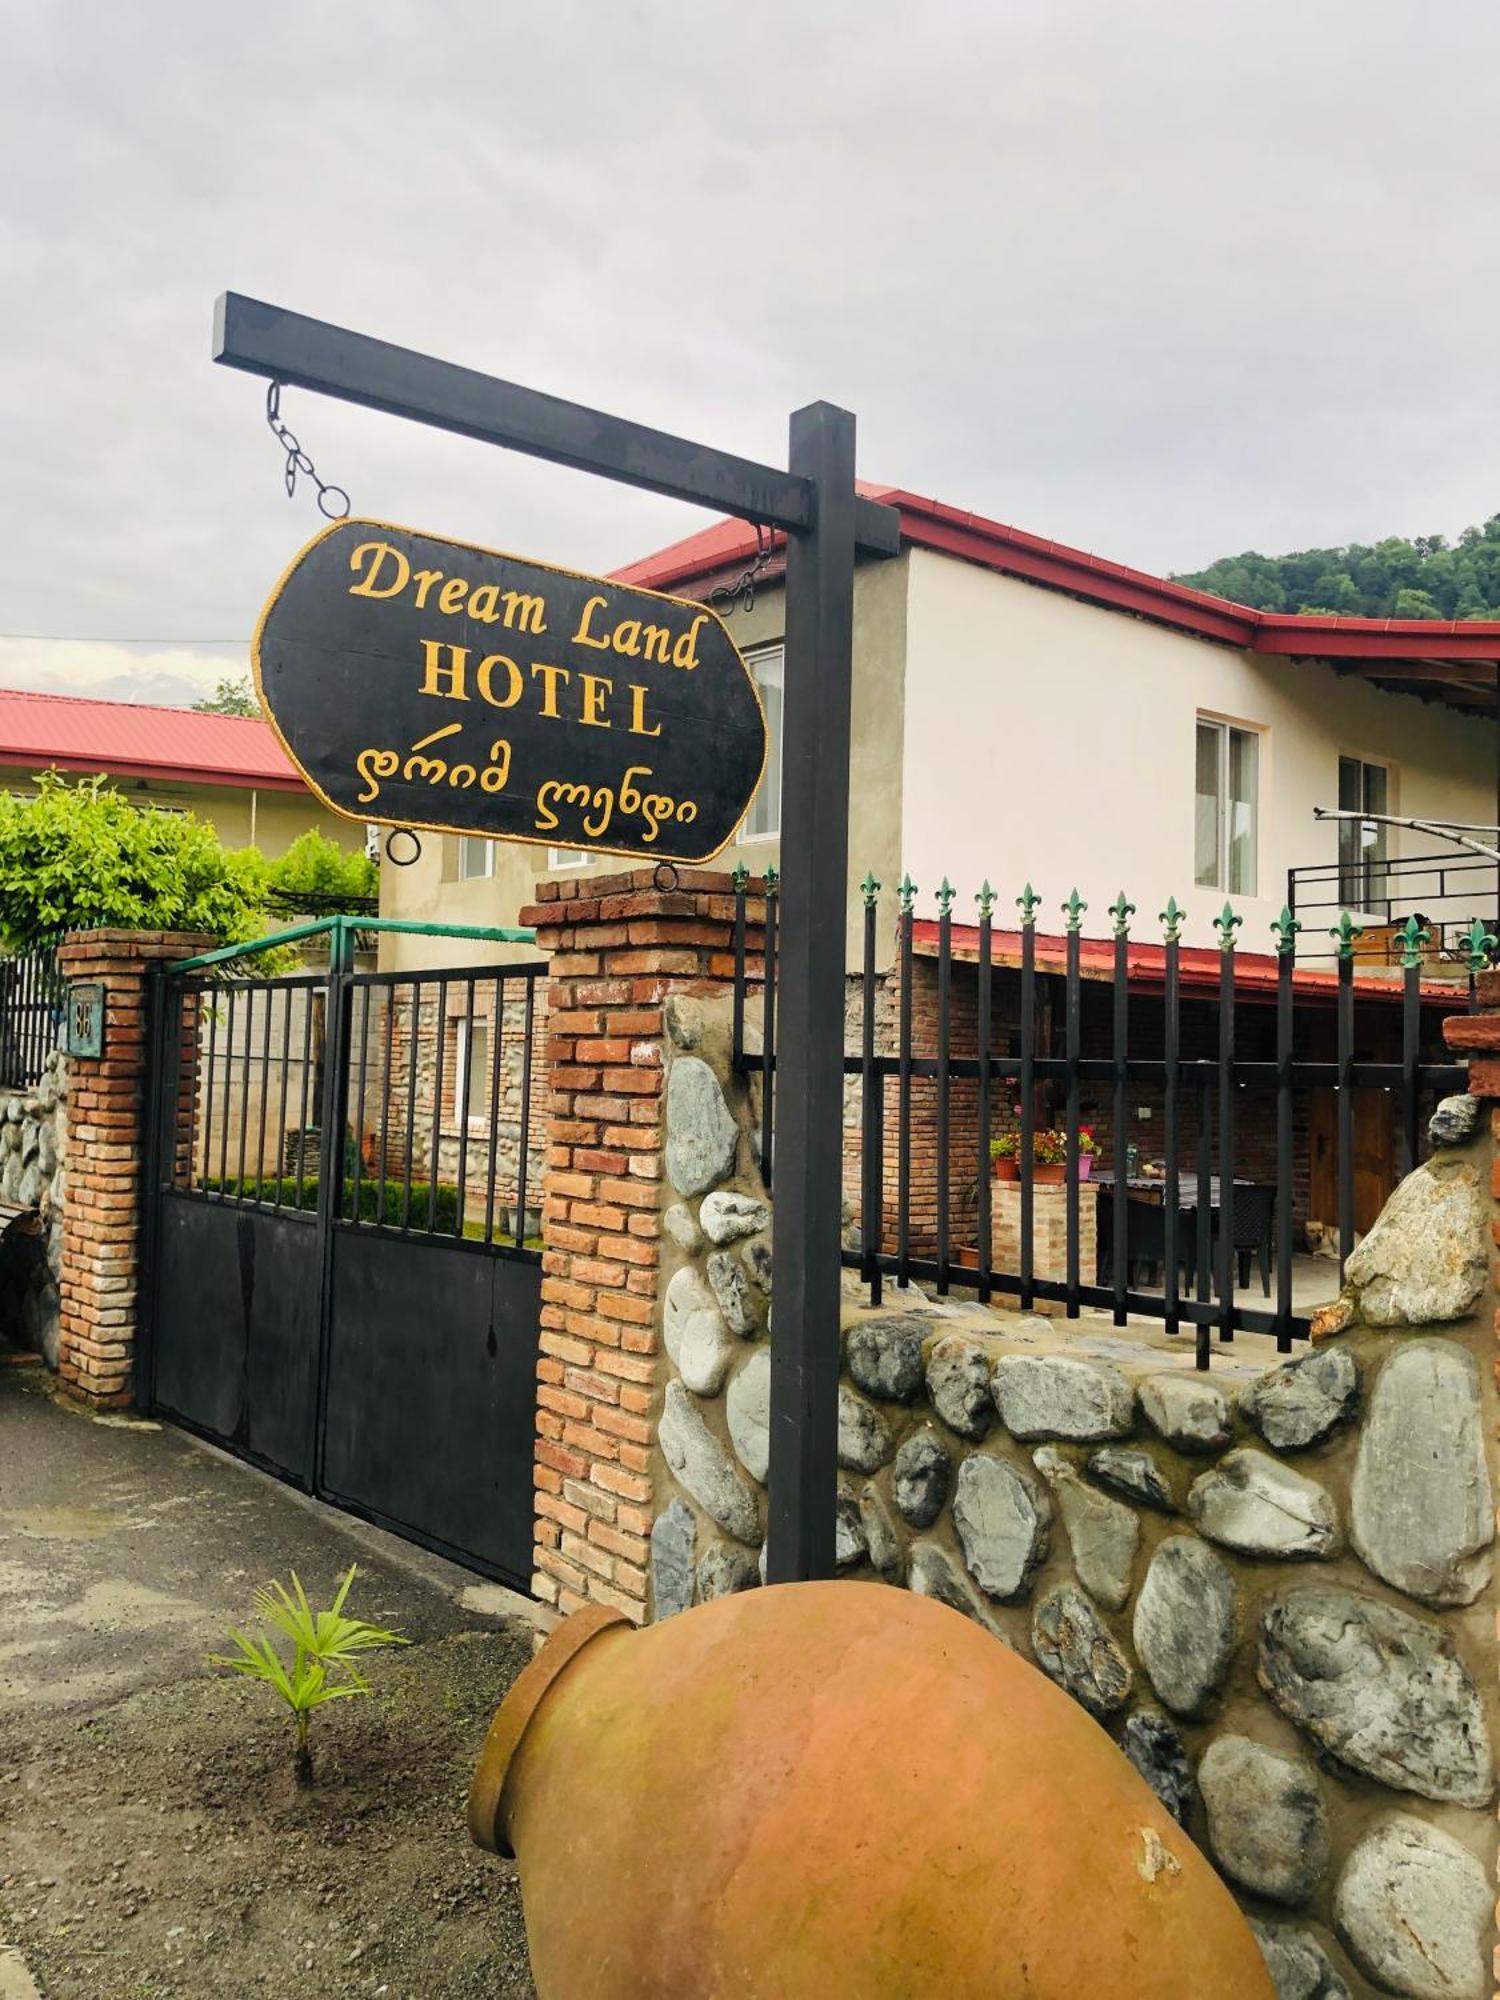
x,y
1162,279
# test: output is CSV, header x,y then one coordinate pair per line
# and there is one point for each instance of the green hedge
x,y
379,1201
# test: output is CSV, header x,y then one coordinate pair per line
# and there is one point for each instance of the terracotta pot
x,y
1007,1170
831,1789
1050,1176
966,1256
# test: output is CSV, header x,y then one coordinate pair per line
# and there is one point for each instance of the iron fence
x,y
1230,1056
32,998
420,1092
1438,892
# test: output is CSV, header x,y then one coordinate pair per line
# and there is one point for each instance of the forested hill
x,y
1426,578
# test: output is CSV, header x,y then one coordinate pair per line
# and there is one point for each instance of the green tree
x,y
79,856
318,867
1426,577
233,696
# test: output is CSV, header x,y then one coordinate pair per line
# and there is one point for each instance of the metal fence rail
x,y
32,996
1200,1092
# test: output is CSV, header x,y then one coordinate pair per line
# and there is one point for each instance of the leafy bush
x,y
325,1644
318,867
79,856
379,1201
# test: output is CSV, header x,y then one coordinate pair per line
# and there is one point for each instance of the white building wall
x,y
1053,741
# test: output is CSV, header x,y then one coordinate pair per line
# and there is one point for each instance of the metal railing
x,y
32,997
1216,1054
1449,894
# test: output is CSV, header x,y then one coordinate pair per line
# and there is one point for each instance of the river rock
x,y
1157,1750
1187,1410
747,1410
1300,1404
1414,1908
1075,1647
757,1256
684,1021
924,1472
1454,1122
1003,1520
864,1441
725,1216
730,1283
884,1354
1103,1535
1184,1623
1384,1692
1135,1473
1300,1969
1425,1260
958,1385
673,1534
701,1133
1262,1508
930,1572
849,1544
1421,1513
723,1571
694,1333
882,1536
46,1150
1060,1396
1267,1825
682,1229
704,1469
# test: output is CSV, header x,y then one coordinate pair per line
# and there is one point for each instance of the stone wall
x,y
1271,1584
33,1148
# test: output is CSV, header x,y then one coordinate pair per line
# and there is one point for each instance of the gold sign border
x,y
527,562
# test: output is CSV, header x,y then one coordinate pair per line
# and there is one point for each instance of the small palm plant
x,y
322,1668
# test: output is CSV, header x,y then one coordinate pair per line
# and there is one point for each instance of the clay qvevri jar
x,y
834,1791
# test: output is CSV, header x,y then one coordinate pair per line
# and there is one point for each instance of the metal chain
x,y
297,461
742,591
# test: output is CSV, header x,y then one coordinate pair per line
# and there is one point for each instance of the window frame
x,y
465,1120
1366,868
774,649
568,859
1226,728
466,841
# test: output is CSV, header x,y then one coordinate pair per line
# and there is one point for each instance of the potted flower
x,y
1088,1149
1003,1156
1049,1153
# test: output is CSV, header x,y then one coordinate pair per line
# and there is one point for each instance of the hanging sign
x,y
426,683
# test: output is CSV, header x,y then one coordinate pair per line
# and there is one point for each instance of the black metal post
x,y
983,1188
815,830
1027,1152
944,1089
1171,1220
1073,1042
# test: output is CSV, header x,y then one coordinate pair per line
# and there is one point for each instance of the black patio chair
x,y
1252,1229
1147,1243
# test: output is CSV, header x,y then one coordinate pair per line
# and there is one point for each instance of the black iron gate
x,y
343,1275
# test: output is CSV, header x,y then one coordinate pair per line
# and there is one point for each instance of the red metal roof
x,y
1197,966
1011,551
129,739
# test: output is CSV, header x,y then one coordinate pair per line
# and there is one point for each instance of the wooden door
x,y
1374,1156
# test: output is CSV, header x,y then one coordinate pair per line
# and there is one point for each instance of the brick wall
x,y
101,1225
620,949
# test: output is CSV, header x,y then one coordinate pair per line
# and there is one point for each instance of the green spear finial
x,y
945,895
740,878
869,889
1344,933
1173,918
1073,910
1286,928
772,878
1226,923
1413,936
1028,903
985,899
1479,946
907,893
1122,912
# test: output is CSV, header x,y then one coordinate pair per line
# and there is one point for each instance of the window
x,y
566,857
763,821
471,1071
476,857
1226,827
1362,849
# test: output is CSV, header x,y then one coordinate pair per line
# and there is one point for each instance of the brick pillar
x,y
106,1110
622,949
